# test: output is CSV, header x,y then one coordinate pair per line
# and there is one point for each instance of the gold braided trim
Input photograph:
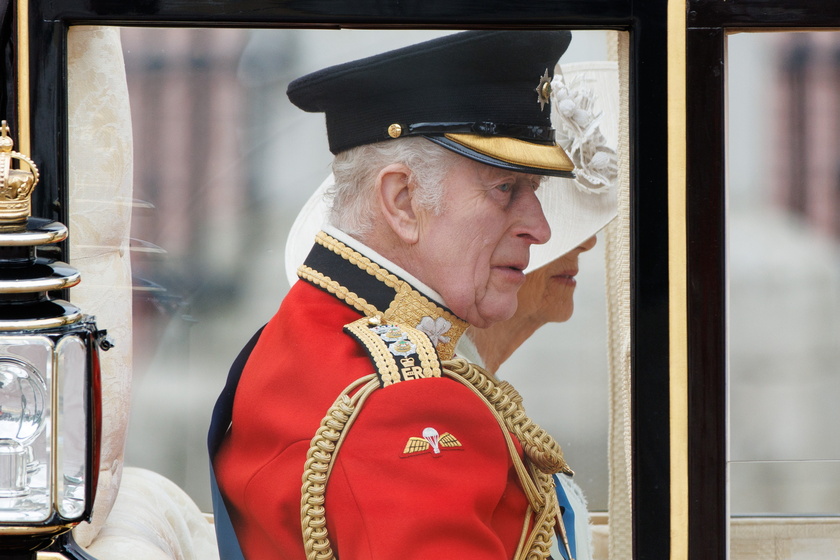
x,y
389,370
408,306
356,258
539,446
336,289
538,545
383,360
532,493
319,461
537,484
536,480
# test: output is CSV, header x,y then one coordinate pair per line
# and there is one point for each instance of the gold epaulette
x,y
398,352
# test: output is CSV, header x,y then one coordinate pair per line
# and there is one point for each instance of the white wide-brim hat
x,y
575,212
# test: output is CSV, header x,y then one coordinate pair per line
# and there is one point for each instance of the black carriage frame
x,y
706,24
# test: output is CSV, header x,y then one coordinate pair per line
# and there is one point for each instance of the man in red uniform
x,y
355,432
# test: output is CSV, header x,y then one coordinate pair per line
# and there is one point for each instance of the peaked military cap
x,y
483,94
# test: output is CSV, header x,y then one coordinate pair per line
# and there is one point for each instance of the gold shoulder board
x,y
398,352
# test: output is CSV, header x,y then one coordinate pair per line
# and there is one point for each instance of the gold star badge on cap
x,y
544,90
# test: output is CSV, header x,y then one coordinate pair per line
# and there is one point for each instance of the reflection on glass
x,y
784,272
25,377
22,419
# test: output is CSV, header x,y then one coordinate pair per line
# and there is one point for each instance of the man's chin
x,y
488,317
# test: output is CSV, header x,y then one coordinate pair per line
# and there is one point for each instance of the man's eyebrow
x,y
496,174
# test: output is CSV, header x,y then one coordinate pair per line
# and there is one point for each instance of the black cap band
x,y
531,133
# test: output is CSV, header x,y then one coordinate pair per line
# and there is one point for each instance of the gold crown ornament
x,y
15,184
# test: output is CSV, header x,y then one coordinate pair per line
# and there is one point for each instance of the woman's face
x,y
548,292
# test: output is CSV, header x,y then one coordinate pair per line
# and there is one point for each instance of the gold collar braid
x,y
332,264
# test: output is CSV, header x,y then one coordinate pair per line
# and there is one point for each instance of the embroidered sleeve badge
x,y
431,442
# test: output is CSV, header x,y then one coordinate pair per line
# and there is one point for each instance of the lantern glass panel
x,y
25,431
71,373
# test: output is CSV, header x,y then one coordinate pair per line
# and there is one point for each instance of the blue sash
x,y
568,515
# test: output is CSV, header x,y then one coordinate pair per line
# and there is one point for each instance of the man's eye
x,y
505,187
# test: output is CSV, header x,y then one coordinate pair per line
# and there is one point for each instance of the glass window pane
x,y
222,165
784,272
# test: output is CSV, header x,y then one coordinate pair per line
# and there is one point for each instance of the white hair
x,y
351,198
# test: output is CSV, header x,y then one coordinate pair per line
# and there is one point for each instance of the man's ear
x,y
395,193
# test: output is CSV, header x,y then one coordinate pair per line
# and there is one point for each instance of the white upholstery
x,y
138,514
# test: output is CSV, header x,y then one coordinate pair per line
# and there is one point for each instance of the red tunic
x,y
465,502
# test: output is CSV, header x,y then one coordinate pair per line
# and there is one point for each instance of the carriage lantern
x,y
49,376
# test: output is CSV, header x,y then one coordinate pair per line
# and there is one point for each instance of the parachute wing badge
x,y
431,442
415,445
448,440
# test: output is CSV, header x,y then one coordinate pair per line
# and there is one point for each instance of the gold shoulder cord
x,y
319,461
543,457
538,445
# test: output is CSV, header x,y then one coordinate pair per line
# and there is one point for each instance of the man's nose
x,y
534,224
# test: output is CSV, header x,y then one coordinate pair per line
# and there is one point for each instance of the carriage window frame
x,y
707,26
653,519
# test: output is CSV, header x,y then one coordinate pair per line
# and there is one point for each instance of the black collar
x,y
375,291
